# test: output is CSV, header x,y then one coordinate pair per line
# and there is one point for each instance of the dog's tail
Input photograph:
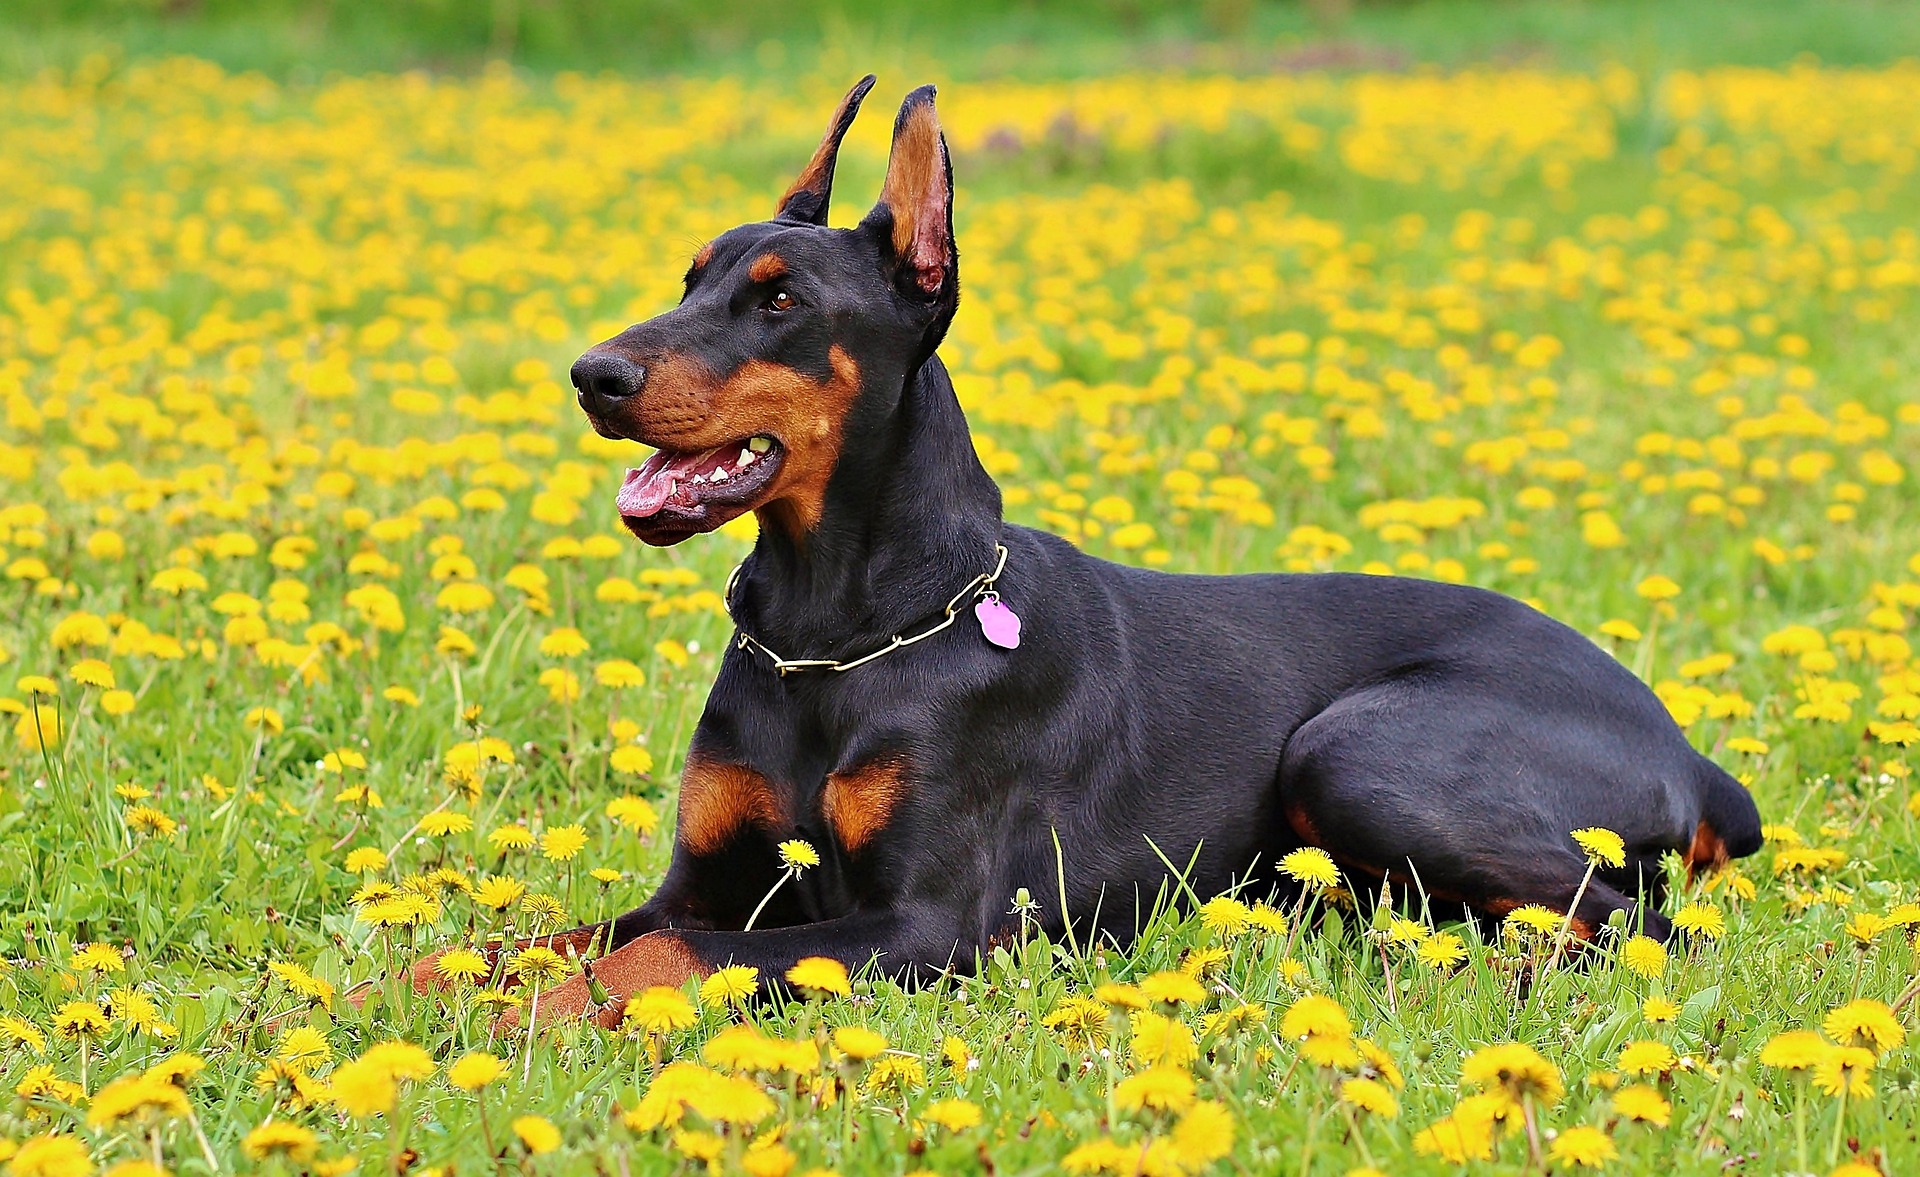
x,y
1729,822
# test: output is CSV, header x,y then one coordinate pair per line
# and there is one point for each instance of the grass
x,y
297,505
305,41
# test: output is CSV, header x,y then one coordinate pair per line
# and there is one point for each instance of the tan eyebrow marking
x,y
704,256
767,267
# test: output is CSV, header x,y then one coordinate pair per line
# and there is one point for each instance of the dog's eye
x,y
782,301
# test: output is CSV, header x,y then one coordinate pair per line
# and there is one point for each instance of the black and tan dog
x,y
1445,738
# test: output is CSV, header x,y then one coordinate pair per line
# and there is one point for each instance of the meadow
x,y
326,645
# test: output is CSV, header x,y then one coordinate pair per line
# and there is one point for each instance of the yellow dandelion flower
x,y
537,965
1312,866
1644,956
1442,951
1165,1089
858,1043
1122,996
1702,920
1315,1015
510,837
282,1140
1203,1135
499,892
1173,989
1515,1069
1532,919
634,813
445,823
363,1089
730,986
100,958
1646,1058
1370,1096
562,843
1865,1022
660,1010
1225,915
1657,588
462,966
797,855
1582,1147
80,1019
536,1134
1644,1104
51,1156
1159,1041
820,976
365,860
1794,1050
474,1070
564,643
1602,847
954,1115
1845,1070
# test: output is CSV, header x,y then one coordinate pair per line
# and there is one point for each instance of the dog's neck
x,y
911,516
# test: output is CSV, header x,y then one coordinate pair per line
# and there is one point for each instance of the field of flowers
x,y
325,644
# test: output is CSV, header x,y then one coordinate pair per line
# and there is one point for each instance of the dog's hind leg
x,y
1430,787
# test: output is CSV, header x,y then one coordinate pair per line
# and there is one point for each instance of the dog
x,y
942,702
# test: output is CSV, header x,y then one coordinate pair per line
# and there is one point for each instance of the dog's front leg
x,y
903,943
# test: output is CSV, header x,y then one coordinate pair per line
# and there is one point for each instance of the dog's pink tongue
x,y
647,489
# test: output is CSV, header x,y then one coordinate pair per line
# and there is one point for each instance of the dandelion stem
x,y
1800,1127
1839,1130
533,1015
1359,1138
200,1134
486,1129
1306,1150
1566,925
1533,1133
762,906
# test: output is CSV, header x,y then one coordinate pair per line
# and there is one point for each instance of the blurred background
x,y
298,39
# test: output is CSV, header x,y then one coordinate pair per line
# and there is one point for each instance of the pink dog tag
x,y
999,623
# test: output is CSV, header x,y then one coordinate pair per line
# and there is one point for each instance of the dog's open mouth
x,y
676,494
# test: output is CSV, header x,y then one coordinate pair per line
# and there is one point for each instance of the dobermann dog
x,y
937,699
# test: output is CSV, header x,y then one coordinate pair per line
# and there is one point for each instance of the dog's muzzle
x,y
603,381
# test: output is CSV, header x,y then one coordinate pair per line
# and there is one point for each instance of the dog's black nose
x,y
603,380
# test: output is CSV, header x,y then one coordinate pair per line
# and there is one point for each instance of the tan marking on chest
x,y
859,803
718,799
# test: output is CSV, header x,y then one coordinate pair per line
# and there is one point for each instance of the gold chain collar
x,y
979,586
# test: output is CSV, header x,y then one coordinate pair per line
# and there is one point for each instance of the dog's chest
x,y
729,797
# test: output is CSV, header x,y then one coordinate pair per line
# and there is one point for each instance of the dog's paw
x,y
570,1001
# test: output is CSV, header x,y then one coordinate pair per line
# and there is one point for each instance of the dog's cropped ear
x,y
806,201
916,205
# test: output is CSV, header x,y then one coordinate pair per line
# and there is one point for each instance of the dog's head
x,y
751,390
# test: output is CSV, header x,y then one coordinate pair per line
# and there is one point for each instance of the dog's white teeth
x,y
760,445
720,475
701,479
747,458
